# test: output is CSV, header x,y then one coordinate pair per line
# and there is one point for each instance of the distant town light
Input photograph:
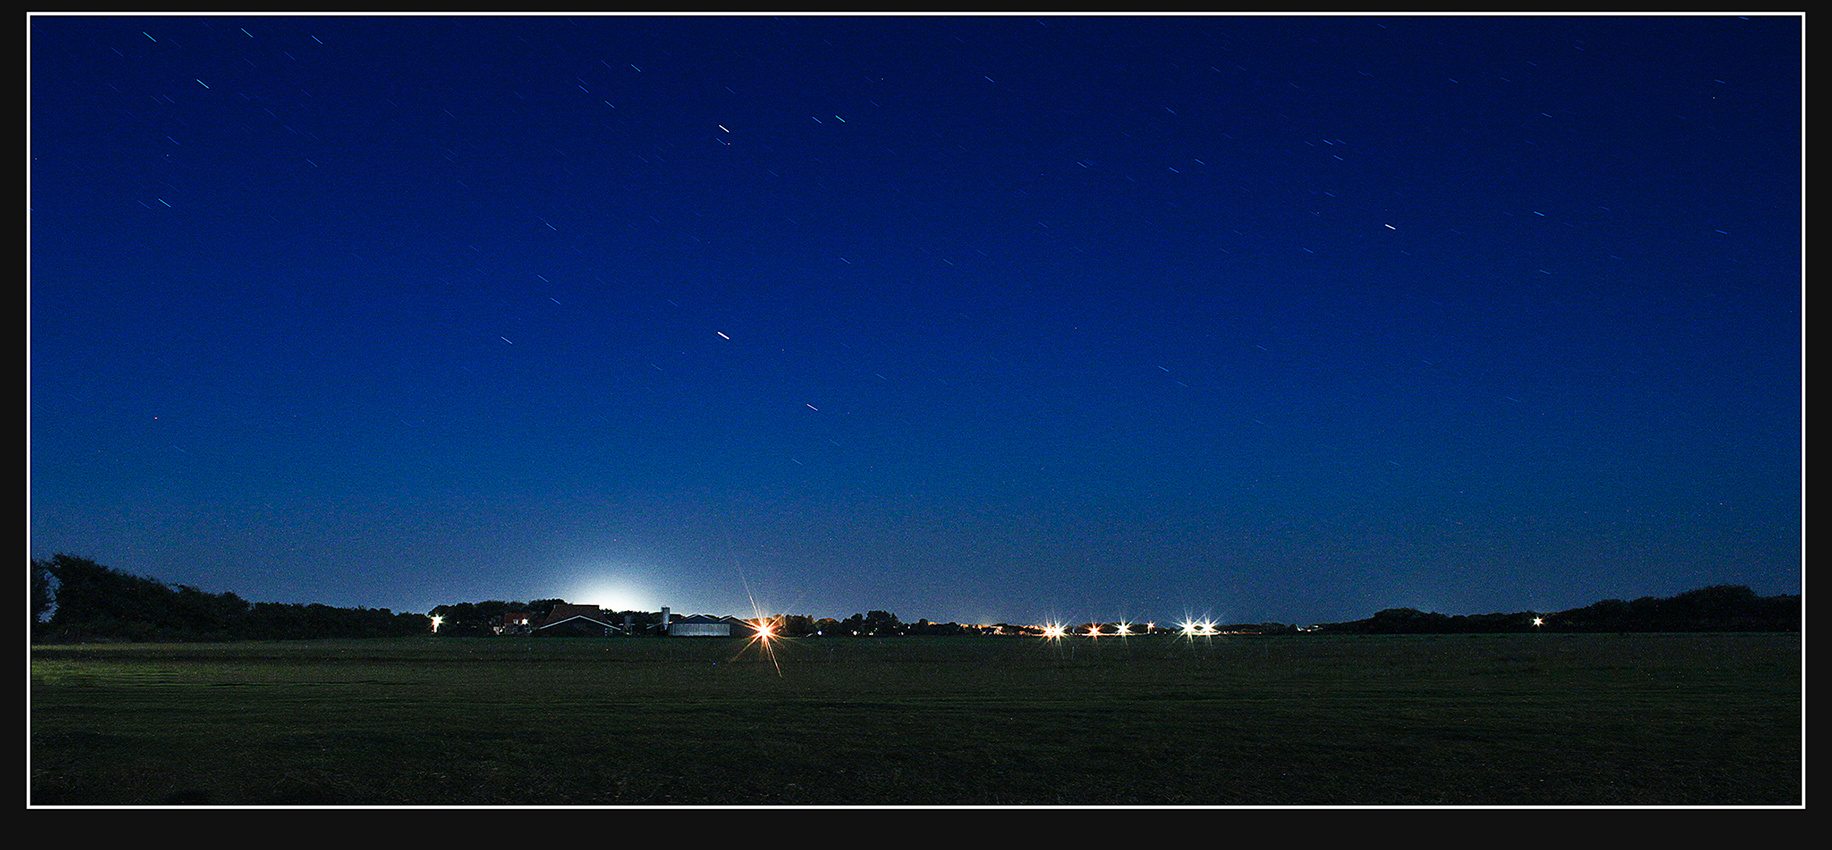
x,y
1192,628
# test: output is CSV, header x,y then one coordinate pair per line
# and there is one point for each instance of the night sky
x,y
975,319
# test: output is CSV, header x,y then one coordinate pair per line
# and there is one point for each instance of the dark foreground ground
x,y
1544,719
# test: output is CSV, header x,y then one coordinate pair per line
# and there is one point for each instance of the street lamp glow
x,y
764,634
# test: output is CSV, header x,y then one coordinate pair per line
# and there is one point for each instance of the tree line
x,y
76,599
1718,608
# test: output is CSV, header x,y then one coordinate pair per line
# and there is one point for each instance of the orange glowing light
x,y
765,632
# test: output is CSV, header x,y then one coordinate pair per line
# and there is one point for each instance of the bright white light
x,y
437,619
1192,628
1054,631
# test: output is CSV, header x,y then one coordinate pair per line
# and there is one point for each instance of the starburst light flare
x,y
765,631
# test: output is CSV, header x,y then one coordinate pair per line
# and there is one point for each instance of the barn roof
x,y
566,611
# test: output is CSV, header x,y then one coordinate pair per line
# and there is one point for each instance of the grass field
x,y
1543,719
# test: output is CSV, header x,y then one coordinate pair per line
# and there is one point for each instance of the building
x,y
576,621
700,625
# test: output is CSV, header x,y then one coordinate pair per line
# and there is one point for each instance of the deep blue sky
x,y
967,318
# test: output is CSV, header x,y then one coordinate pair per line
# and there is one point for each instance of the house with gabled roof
x,y
576,620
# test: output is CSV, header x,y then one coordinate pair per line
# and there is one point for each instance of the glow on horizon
x,y
612,588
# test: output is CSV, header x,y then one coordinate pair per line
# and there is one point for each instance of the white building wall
x,y
700,630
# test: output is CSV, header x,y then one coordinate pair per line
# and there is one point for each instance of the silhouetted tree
x,y
882,623
41,595
798,625
92,601
89,601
